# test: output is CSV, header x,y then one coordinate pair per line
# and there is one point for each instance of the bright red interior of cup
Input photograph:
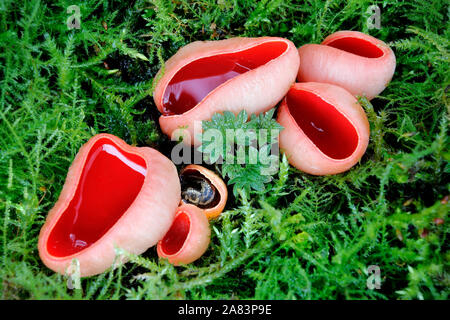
x,y
176,236
195,80
109,183
357,46
323,124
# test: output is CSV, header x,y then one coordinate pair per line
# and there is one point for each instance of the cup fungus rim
x,y
180,210
250,45
333,104
124,147
343,34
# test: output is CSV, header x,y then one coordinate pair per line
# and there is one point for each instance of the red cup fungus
x,y
115,195
188,237
204,189
206,77
325,129
357,62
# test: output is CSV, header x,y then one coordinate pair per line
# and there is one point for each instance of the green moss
x,y
301,237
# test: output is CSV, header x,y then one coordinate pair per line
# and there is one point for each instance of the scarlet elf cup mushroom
x,y
188,237
206,77
115,195
325,129
355,61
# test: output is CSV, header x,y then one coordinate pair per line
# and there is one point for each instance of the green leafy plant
x,y
244,148
299,237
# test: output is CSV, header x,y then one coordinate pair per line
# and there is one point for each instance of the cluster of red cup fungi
x,y
117,195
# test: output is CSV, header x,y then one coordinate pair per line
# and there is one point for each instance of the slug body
x,y
115,195
357,62
325,129
203,197
206,77
188,237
